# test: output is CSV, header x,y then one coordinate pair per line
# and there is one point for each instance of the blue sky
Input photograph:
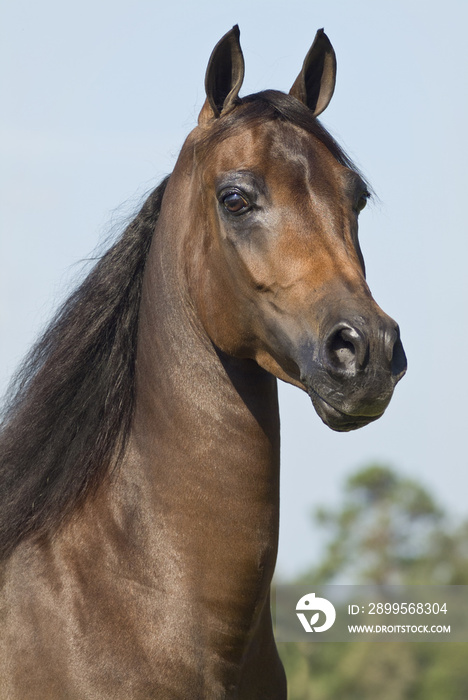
x,y
97,100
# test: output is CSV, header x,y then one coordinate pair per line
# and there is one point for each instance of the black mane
x,y
72,404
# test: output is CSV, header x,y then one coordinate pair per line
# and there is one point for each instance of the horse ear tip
x,y
322,39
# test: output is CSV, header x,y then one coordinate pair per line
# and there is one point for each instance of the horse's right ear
x,y
224,77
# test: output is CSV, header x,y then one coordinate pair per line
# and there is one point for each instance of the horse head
x,y
277,274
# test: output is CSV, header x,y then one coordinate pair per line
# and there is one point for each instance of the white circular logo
x,y
315,605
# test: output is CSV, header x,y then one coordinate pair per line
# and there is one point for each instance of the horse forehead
x,y
274,147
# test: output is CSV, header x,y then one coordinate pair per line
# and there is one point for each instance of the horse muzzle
x,y
351,371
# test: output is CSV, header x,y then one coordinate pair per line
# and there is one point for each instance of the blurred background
x,y
97,100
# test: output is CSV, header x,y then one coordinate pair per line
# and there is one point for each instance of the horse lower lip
x,y
336,419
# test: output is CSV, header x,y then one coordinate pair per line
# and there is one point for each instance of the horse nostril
x,y
394,353
347,351
398,363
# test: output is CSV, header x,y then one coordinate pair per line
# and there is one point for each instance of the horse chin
x,y
336,419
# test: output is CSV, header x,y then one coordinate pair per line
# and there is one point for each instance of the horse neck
x,y
205,439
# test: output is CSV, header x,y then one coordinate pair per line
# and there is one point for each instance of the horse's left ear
x,y
224,76
315,84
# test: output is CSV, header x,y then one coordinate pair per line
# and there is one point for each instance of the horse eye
x,y
235,203
362,201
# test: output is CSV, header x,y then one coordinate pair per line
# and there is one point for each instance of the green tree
x,y
384,531
387,530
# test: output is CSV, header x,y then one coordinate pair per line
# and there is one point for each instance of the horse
x,y
140,446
